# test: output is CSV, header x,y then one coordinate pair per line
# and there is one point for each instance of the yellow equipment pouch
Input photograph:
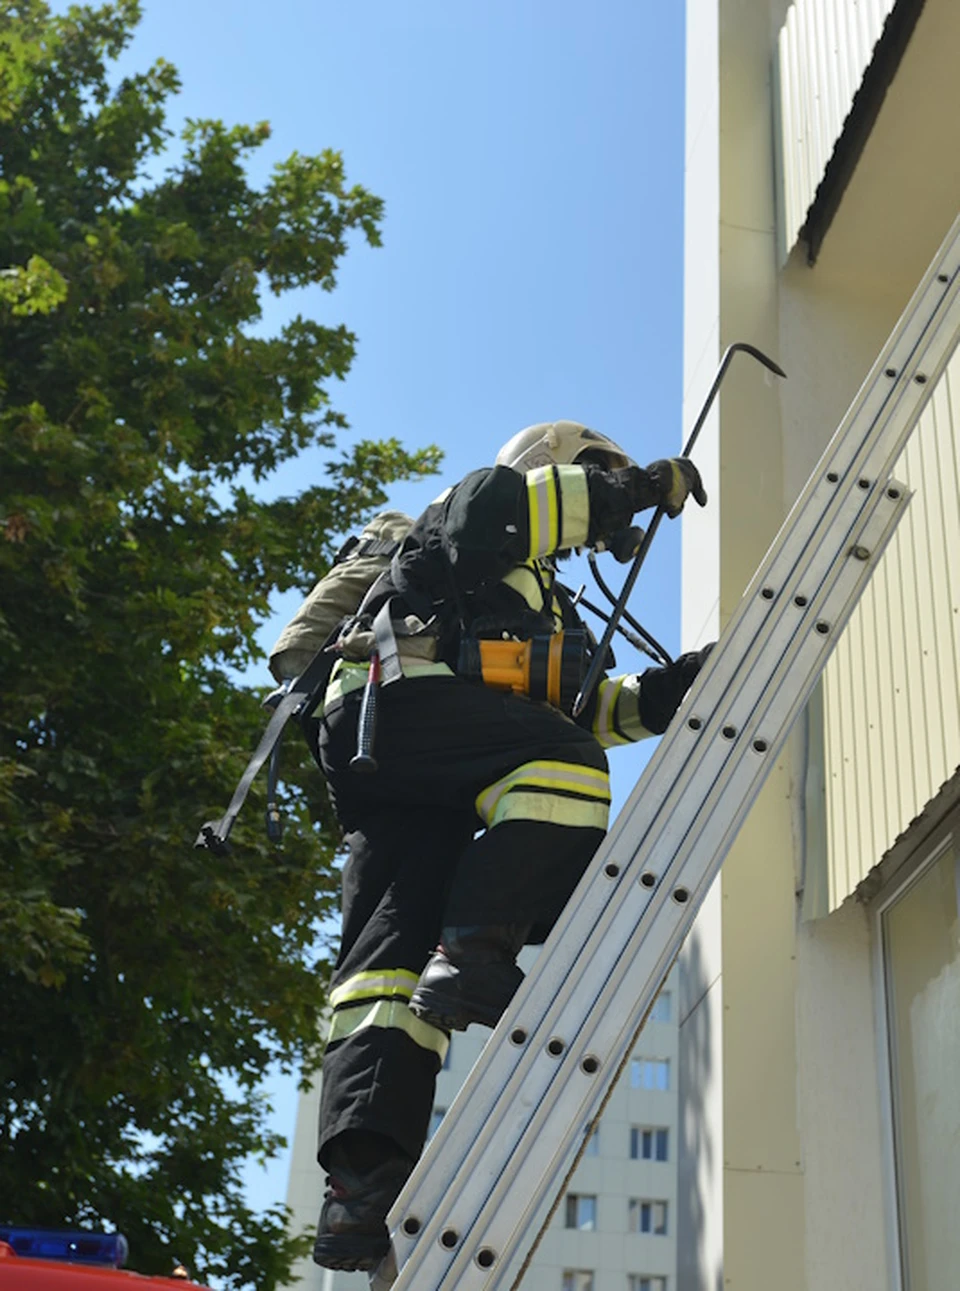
x,y
549,667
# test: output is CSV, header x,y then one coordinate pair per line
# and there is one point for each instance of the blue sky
x,y
530,155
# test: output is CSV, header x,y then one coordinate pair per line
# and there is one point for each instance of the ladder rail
x,y
507,1104
643,927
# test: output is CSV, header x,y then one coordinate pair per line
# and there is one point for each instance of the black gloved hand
x,y
691,663
662,689
675,479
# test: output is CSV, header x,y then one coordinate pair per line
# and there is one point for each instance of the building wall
x,y
785,1008
892,689
823,49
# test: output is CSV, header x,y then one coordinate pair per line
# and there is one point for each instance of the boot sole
x,y
350,1254
433,1009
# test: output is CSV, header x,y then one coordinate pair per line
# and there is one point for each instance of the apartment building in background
x,y
615,1227
820,989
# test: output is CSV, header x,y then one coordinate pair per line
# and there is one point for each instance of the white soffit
x,y
824,48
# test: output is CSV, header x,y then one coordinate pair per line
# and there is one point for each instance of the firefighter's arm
x,y
629,708
497,518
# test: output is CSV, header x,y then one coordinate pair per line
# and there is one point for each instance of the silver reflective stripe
x,y
390,1014
554,808
348,676
575,511
563,777
543,505
617,719
379,982
608,692
523,580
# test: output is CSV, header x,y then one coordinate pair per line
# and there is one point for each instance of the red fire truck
x,y
38,1259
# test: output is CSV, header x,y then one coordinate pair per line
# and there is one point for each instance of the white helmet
x,y
559,443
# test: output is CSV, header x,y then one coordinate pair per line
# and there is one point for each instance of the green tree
x,y
148,986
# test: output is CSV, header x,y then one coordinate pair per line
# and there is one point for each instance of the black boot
x,y
367,1173
470,977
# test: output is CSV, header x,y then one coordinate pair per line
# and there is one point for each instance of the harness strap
x,y
300,699
387,648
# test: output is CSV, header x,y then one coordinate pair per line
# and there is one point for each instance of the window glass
x,y
581,1211
649,1143
646,1282
650,1073
647,1216
661,1008
577,1280
921,943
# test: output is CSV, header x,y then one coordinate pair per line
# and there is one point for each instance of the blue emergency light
x,y
65,1244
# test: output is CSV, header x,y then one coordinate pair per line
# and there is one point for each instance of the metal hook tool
x,y
596,663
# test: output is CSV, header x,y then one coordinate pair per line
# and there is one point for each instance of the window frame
x,y
921,853
577,1198
637,1204
636,1134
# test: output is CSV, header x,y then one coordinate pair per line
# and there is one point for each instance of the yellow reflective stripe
x,y
523,580
584,782
608,695
345,677
348,676
576,506
628,708
361,986
388,1014
577,813
544,517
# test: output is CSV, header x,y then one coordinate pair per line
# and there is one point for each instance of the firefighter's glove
x,y
662,689
676,478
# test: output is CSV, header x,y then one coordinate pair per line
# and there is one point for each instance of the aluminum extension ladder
x,y
506,1148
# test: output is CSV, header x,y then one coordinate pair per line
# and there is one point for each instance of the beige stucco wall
x,y
791,1102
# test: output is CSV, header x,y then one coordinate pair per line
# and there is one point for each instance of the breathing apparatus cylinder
x,y
549,666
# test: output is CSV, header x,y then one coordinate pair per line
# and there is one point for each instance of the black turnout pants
x,y
486,809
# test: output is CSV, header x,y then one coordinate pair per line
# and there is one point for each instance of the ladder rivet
x,y
555,1047
486,1258
590,1064
611,870
449,1238
889,372
832,476
767,593
729,732
518,1036
943,277
648,880
823,628
680,895
863,484
800,600
760,746
694,723
893,493
411,1225
920,379
860,553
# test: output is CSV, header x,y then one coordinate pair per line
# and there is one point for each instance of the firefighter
x,y
487,805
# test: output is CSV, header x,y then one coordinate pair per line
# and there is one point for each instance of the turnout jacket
x,y
479,561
